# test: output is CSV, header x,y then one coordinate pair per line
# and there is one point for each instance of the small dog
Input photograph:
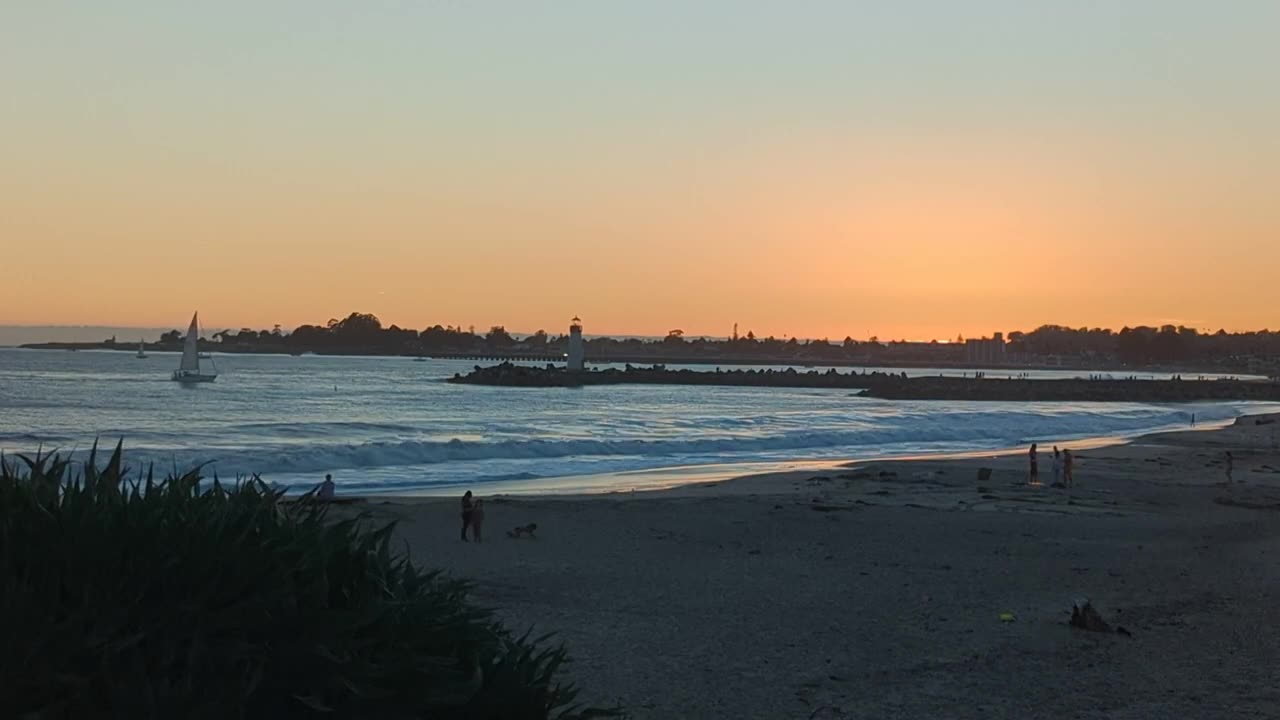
x,y
520,531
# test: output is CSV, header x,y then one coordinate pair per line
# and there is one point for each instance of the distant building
x,y
577,354
984,352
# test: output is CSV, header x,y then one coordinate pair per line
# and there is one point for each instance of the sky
x,y
915,169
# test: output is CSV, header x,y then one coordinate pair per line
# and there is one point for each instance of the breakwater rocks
x,y
1071,390
510,375
888,386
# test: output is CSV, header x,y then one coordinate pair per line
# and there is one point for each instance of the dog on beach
x,y
523,531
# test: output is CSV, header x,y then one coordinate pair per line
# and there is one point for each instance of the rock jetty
x,y
889,386
511,375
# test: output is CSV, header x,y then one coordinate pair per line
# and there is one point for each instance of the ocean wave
x,y
905,433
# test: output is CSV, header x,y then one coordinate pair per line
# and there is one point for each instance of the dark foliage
x,y
141,598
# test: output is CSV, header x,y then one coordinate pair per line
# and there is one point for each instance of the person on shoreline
x,y
1057,466
325,491
467,510
1034,478
477,520
1231,464
1068,466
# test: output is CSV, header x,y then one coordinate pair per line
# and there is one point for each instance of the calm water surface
x,y
392,424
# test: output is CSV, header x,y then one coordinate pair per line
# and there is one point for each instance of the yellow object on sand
x,y
1007,617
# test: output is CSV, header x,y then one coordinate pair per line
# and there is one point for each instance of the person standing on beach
x,y
467,510
477,520
325,492
1231,464
1068,465
1035,469
1057,465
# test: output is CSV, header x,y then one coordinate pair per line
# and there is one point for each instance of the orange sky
x,y
290,174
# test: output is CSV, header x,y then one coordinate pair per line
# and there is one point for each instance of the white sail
x,y
190,351
142,348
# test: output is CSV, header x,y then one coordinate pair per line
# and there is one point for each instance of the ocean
x,y
390,425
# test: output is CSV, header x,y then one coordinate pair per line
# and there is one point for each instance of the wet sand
x,y
876,590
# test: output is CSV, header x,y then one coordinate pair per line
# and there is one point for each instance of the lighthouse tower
x,y
577,356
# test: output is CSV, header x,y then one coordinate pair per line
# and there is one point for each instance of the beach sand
x,y
876,590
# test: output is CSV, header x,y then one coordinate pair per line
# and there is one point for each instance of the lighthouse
x,y
577,355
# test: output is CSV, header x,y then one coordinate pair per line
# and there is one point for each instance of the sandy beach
x,y
876,590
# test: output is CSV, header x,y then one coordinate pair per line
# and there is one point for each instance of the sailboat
x,y
189,370
142,350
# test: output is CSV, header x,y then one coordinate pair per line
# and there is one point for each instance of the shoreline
x,y
881,590
672,478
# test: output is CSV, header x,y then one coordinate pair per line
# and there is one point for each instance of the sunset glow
x,y
834,171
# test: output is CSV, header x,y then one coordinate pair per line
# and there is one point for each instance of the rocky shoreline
x,y
889,386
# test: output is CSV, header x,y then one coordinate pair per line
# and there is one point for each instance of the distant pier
x,y
499,357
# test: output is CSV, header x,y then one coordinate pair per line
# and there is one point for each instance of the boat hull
x,y
187,378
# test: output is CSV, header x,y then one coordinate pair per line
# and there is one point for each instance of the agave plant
x,y
130,597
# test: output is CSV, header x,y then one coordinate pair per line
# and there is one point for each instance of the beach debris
x,y
1251,505
1085,617
829,508
984,474
523,531
1007,617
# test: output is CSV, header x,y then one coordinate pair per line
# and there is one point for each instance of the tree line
x,y
1133,346
1146,345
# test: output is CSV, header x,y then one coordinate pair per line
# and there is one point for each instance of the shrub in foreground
x,y
145,598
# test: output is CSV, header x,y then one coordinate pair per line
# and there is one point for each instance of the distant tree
x,y
362,329
498,337
674,337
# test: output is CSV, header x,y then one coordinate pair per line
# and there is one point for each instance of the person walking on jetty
x,y
1057,466
467,510
1034,478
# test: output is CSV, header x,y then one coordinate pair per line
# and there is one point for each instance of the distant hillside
x,y
14,335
